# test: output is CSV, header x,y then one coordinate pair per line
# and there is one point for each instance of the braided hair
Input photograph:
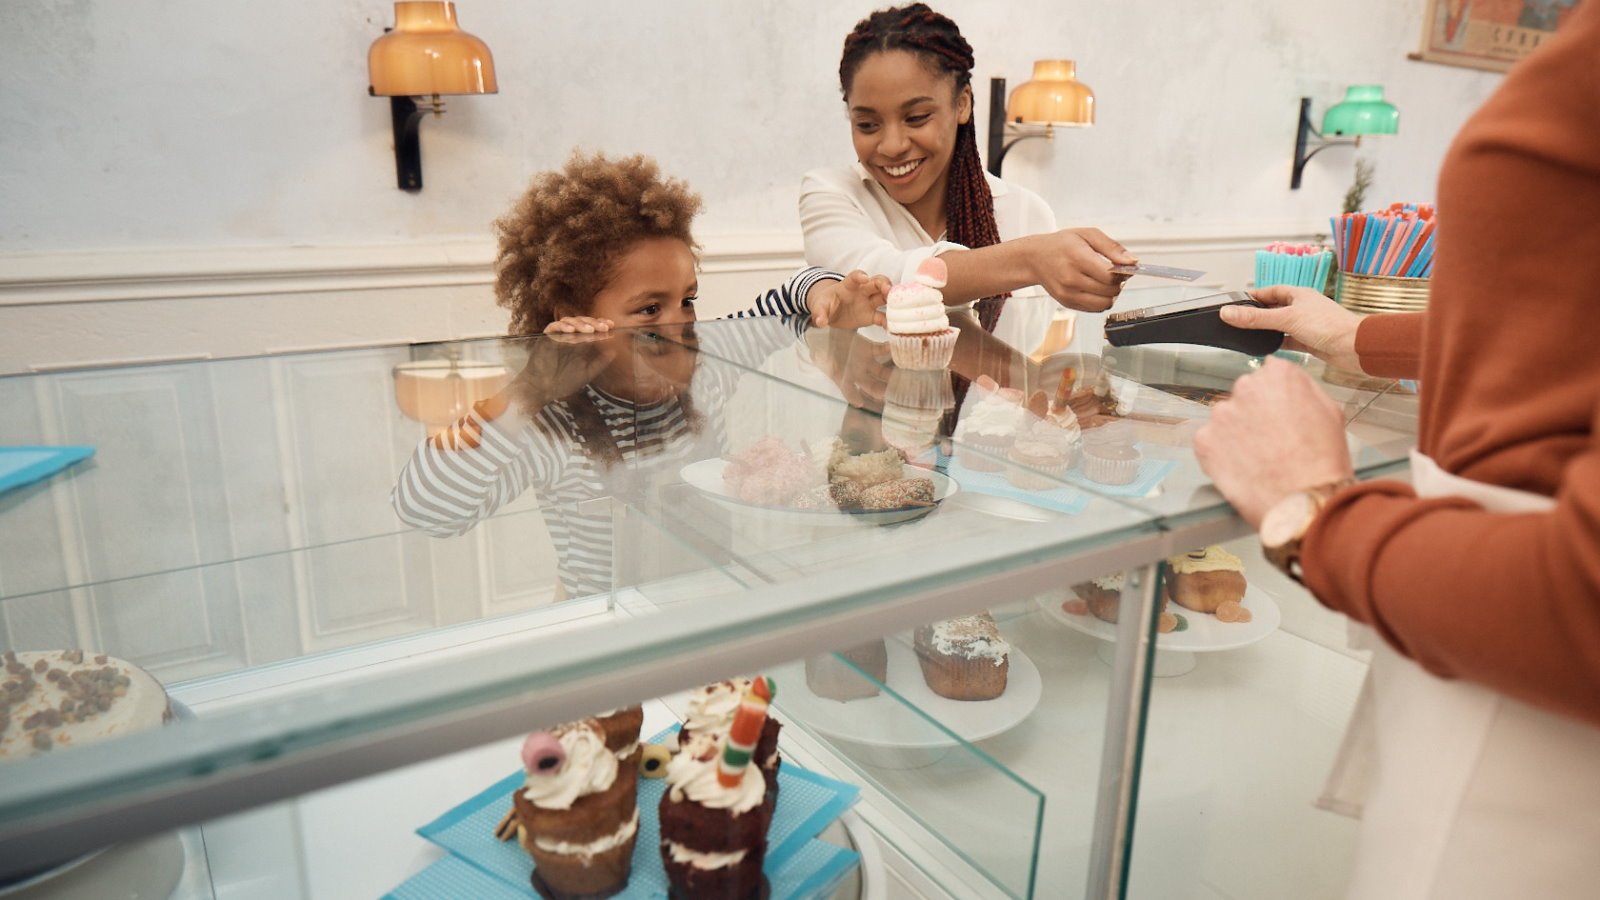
x,y
968,203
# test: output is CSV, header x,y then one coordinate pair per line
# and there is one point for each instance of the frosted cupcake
x,y
710,714
989,427
716,811
577,813
920,336
1041,455
964,658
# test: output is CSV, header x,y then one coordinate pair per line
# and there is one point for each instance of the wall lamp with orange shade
x,y
425,55
1052,97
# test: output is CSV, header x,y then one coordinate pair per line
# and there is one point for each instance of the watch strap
x,y
1286,556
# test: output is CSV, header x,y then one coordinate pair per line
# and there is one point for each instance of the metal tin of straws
x,y
1381,293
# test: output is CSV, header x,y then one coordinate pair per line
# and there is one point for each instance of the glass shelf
x,y
236,535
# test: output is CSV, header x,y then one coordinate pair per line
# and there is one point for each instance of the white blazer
x,y
850,222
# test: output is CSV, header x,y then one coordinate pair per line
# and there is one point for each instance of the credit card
x,y
1158,271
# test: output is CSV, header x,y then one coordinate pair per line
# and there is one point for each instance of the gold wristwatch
x,y
1285,525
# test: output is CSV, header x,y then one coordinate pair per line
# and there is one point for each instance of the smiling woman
x,y
918,188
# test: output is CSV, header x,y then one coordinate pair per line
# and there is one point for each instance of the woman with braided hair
x,y
919,188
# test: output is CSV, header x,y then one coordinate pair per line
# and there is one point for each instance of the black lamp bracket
x,y
1000,129
406,114
1302,140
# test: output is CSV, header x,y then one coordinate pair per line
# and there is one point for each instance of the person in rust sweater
x,y
1474,755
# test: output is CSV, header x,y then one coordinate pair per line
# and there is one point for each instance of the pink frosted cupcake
x,y
920,336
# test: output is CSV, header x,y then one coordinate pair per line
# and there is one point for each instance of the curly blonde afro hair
x,y
561,243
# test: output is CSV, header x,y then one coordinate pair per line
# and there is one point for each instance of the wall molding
x,y
33,279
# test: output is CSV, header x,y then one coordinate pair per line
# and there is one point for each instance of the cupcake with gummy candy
x,y
920,336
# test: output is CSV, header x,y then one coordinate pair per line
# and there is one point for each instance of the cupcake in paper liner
x,y
1041,456
989,427
920,336
920,389
913,406
1111,462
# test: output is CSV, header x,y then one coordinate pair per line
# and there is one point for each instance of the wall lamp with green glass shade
x,y
1362,111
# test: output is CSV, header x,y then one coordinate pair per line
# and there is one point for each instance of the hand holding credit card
x,y
1158,271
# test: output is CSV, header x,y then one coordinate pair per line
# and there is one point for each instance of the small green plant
x,y
1356,197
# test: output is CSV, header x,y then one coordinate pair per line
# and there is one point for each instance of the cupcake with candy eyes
x,y
577,813
920,336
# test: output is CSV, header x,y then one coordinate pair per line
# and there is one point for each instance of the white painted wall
x,y
190,131
159,123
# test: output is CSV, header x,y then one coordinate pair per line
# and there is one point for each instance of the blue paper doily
x,y
798,867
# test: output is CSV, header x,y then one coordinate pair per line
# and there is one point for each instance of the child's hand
x,y
579,328
851,303
571,353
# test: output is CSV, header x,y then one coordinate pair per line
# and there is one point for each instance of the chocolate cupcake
x,y
713,837
577,813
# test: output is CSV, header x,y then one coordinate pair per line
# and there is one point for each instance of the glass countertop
x,y
323,548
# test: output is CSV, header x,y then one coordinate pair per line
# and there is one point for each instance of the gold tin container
x,y
1381,293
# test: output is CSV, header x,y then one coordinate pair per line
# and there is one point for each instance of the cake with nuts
x,y
55,699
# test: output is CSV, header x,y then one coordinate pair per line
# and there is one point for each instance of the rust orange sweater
x,y
1510,367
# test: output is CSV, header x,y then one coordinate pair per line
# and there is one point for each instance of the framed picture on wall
x,y
1488,34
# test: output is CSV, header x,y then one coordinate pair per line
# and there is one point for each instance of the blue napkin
x,y
1062,499
994,484
797,866
24,465
1151,471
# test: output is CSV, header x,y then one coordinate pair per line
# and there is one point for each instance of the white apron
x,y
1463,792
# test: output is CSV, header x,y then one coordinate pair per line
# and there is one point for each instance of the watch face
x,y
1288,519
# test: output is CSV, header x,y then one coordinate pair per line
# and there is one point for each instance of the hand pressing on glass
x,y
1278,433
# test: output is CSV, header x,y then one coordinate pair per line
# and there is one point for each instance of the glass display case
x,y
359,576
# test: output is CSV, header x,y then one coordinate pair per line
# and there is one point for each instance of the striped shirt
x,y
446,492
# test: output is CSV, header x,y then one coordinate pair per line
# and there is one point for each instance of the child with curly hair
x,y
598,257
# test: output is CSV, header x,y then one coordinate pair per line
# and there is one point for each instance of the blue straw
x,y
1426,269
1425,259
1411,241
1390,229
1370,241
